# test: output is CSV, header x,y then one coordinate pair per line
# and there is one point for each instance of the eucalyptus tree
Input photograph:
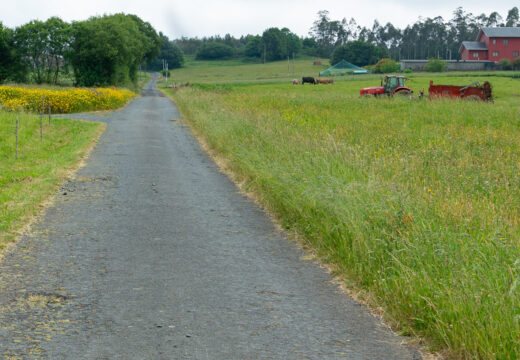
x,y
513,19
330,33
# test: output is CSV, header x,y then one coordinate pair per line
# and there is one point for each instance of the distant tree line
x,y
103,50
426,38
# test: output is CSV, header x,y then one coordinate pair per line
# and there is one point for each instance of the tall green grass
x,y
26,182
415,202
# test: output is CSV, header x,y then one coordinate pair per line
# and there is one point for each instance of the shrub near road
x,y
63,101
415,202
28,181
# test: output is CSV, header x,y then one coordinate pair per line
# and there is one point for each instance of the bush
x,y
505,64
436,65
408,71
516,63
214,51
385,66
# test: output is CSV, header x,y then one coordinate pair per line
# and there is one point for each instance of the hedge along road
x,y
151,253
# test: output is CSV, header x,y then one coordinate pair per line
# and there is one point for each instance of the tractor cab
x,y
391,83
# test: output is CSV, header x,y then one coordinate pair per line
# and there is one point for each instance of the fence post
x,y
41,117
49,113
16,146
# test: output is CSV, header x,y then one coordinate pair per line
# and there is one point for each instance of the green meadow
x,y
27,182
414,203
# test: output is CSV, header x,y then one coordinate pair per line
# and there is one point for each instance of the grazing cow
x,y
316,63
308,79
295,82
324,81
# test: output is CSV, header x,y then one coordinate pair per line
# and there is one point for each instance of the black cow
x,y
308,79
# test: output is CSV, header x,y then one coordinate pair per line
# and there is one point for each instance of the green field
x,y
238,71
26,182
413,202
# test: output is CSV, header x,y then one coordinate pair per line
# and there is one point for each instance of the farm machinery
x,y
470,92
390,85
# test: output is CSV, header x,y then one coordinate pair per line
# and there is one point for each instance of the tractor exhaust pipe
x,y
470,85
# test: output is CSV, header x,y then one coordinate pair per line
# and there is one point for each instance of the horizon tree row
x,y
426,38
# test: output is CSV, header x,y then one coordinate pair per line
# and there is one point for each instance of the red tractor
x,y
392,85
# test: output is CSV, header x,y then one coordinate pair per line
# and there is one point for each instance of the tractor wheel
x,y
403,93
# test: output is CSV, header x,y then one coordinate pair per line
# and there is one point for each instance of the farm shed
x,y
342,68
453,65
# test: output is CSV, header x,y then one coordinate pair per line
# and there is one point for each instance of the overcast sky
x,y
176,18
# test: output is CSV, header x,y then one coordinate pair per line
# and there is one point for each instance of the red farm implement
x,y
471,92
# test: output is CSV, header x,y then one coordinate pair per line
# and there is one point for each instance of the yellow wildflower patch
x,y
63,101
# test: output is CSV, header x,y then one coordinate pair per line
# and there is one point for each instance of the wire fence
x,y
43,111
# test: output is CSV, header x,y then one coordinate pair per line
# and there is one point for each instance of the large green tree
x,y
107,50
275,47
6,51
31,41
169,52
42,47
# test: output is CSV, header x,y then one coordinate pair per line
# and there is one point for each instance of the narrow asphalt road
x,y
151,253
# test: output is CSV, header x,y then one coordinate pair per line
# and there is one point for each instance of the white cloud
x,y
200,18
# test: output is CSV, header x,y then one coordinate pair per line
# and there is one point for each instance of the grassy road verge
x,y
414,202
27,182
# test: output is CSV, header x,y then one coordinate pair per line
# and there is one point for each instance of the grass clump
x,y
415,202
26,182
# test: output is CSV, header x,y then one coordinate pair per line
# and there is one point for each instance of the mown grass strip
x,y
26,182
415,202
